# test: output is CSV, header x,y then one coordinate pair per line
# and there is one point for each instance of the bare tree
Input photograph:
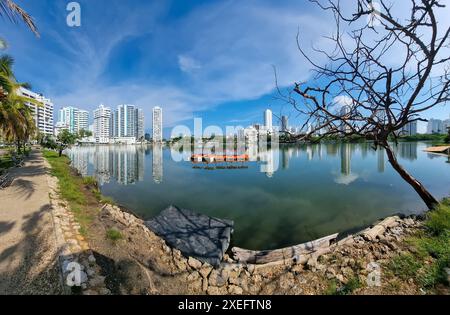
x,y
384,72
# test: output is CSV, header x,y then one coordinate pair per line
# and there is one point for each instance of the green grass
x,y
90,181
431,251
348,288
6,161
113,235
70,187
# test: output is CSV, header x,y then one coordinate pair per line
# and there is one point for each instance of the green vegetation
x,y
348,288
113,235
76,190
70,187
65,139
430,251
435,138
90,181
6,161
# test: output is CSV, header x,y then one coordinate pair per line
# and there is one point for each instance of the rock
x,y
104,291
193,276
330,270
197,285
347,272
218,278
181,265
90,292
205,270
297,268
311,263
286,281
340,278
166,249
234,289
194,263
205,285
217,290
91,258
373,233
97,281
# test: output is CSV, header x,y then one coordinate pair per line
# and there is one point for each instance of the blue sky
x,y
209,59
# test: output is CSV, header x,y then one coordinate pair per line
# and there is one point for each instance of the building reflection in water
x,y
126,164
380,159
346,176
407,150
123,163
157,163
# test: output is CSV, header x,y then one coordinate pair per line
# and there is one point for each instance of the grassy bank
x,y
82,194
429,252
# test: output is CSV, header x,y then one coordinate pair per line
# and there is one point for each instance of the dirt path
x,y
28,263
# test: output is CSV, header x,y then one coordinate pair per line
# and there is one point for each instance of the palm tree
x,y
14,13
16,120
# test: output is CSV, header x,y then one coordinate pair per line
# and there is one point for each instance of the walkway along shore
x,y
28,250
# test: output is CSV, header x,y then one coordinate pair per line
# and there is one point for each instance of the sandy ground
x,y
28,262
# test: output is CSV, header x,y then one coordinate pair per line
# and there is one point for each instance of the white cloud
x,y
187,64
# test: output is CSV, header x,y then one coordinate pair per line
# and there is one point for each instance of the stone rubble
x,y
342,261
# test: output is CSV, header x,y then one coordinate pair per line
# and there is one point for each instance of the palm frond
x,y
11,10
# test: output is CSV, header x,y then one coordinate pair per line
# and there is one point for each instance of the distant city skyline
x,y
141,62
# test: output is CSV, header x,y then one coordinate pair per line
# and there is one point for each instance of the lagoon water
x,y
282,197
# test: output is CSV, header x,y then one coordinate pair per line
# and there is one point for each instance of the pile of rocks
x,y
344,260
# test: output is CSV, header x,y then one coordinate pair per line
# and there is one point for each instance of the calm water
x,y
283,197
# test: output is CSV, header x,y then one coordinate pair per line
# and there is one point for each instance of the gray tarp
x,y
196,235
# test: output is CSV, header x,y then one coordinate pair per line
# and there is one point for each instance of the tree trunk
x,y
428,198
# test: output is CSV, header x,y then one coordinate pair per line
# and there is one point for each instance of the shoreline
x,y
189,276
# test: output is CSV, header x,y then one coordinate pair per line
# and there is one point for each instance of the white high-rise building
x,y
268,120
102,117
445,125
435,126
157,124
43,115
127,124
82,120
410,129
125,121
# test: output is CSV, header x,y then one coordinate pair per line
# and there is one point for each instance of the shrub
x,y
113,235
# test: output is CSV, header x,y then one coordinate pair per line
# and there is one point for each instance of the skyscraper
x,y
410,129
345,111
125,121
445,125
82,120
284,123
139,124
435,126
268,120
43,115
68,117
102,119
157,124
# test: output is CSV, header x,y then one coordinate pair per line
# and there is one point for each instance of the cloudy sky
x,y
209,59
